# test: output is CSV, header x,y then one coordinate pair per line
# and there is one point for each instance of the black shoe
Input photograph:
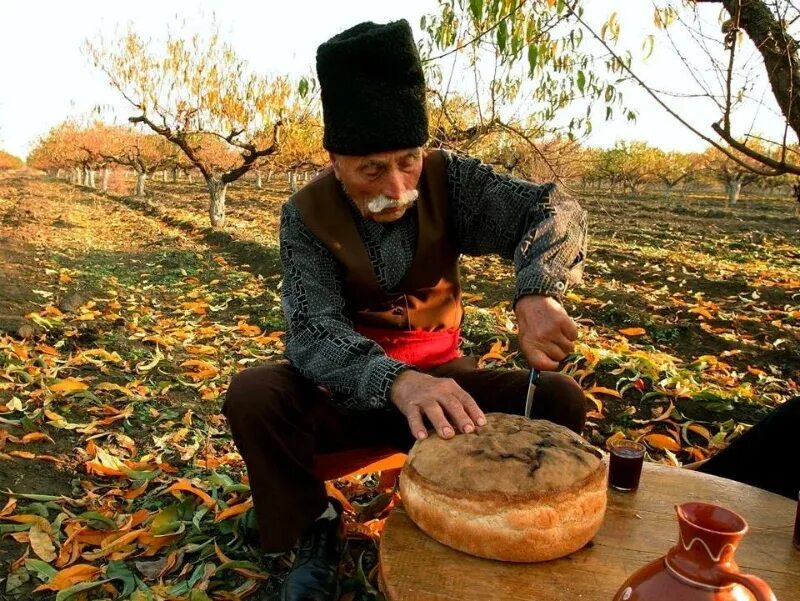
x,y
315,571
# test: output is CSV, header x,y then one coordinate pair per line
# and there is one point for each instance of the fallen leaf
x,y
69,576
233,511
186,486
663,442
42,544
69,385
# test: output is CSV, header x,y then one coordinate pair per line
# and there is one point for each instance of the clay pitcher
x,y
701,566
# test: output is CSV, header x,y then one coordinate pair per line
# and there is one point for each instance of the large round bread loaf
x,y
516,489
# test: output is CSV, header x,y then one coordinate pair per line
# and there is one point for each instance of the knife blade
x,y
533,380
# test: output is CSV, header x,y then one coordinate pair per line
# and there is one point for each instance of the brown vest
x,y
428,297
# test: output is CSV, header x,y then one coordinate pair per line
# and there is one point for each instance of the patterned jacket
x,y
542,231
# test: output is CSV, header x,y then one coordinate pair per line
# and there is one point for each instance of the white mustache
x,y
382,203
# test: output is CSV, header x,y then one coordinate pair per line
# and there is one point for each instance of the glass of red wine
x,y
625,470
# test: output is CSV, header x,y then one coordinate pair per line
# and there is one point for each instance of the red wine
x,y
626,467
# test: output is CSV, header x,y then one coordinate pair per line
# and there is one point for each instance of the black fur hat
x,y
373,89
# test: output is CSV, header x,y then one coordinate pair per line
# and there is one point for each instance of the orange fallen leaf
x,y
663,442
701,311
203,369
632,331
186,486
337,494
35,437
23,454
68,577
134,493
248,330
233,511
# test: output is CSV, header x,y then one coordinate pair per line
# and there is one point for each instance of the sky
x,y
46,77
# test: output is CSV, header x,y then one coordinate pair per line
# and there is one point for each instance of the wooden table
x,y
638,528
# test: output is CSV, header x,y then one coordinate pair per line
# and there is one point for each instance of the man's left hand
x,y
546,333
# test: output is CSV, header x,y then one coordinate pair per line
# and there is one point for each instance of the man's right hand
x,y
441,400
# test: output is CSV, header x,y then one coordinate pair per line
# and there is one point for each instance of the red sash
x,y
420,348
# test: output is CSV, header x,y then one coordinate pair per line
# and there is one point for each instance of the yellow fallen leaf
x,y
603,390
42,544
701,430
69,385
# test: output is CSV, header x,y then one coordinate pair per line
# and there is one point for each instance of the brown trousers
x,y
280,420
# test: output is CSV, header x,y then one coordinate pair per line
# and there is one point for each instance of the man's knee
x,y
566,402
256,391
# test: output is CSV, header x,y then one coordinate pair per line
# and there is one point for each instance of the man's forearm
x,y
351,366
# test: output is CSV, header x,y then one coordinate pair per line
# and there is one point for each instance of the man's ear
x,y
334,164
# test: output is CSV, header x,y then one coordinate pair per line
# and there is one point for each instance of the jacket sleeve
x,y
320,341
542,230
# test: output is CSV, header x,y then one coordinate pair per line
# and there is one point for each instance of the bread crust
x,y
529,525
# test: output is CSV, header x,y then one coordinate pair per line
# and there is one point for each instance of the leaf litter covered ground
x,y
119,477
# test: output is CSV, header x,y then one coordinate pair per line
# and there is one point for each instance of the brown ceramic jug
x,y
701,566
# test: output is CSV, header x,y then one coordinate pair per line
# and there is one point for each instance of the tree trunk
x,y
191,177
106,174
58,173
292,182
258,179
733,187
269,175
216,207
174,175
140,179
779,51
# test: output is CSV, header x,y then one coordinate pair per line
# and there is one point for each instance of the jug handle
x,y
754,584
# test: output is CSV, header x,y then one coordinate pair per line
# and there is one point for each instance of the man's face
x,y
382,185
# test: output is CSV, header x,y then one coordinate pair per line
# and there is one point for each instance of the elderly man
x,y
372,300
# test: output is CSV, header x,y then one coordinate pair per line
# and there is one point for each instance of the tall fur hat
x,y
373,89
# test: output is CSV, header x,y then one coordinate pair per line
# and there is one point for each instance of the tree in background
x,y
144,153
525,72
673,168
57,151
9,161
196,90
538,44
301,148
729,172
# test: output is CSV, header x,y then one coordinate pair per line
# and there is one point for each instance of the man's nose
x,y
394,185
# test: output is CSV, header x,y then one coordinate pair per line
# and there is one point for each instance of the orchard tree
x,y
672,168
57,151
195,90
524,71
9,161
729,172
144,153
543,40
301,149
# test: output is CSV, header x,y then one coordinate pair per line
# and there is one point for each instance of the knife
x,y
533,380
